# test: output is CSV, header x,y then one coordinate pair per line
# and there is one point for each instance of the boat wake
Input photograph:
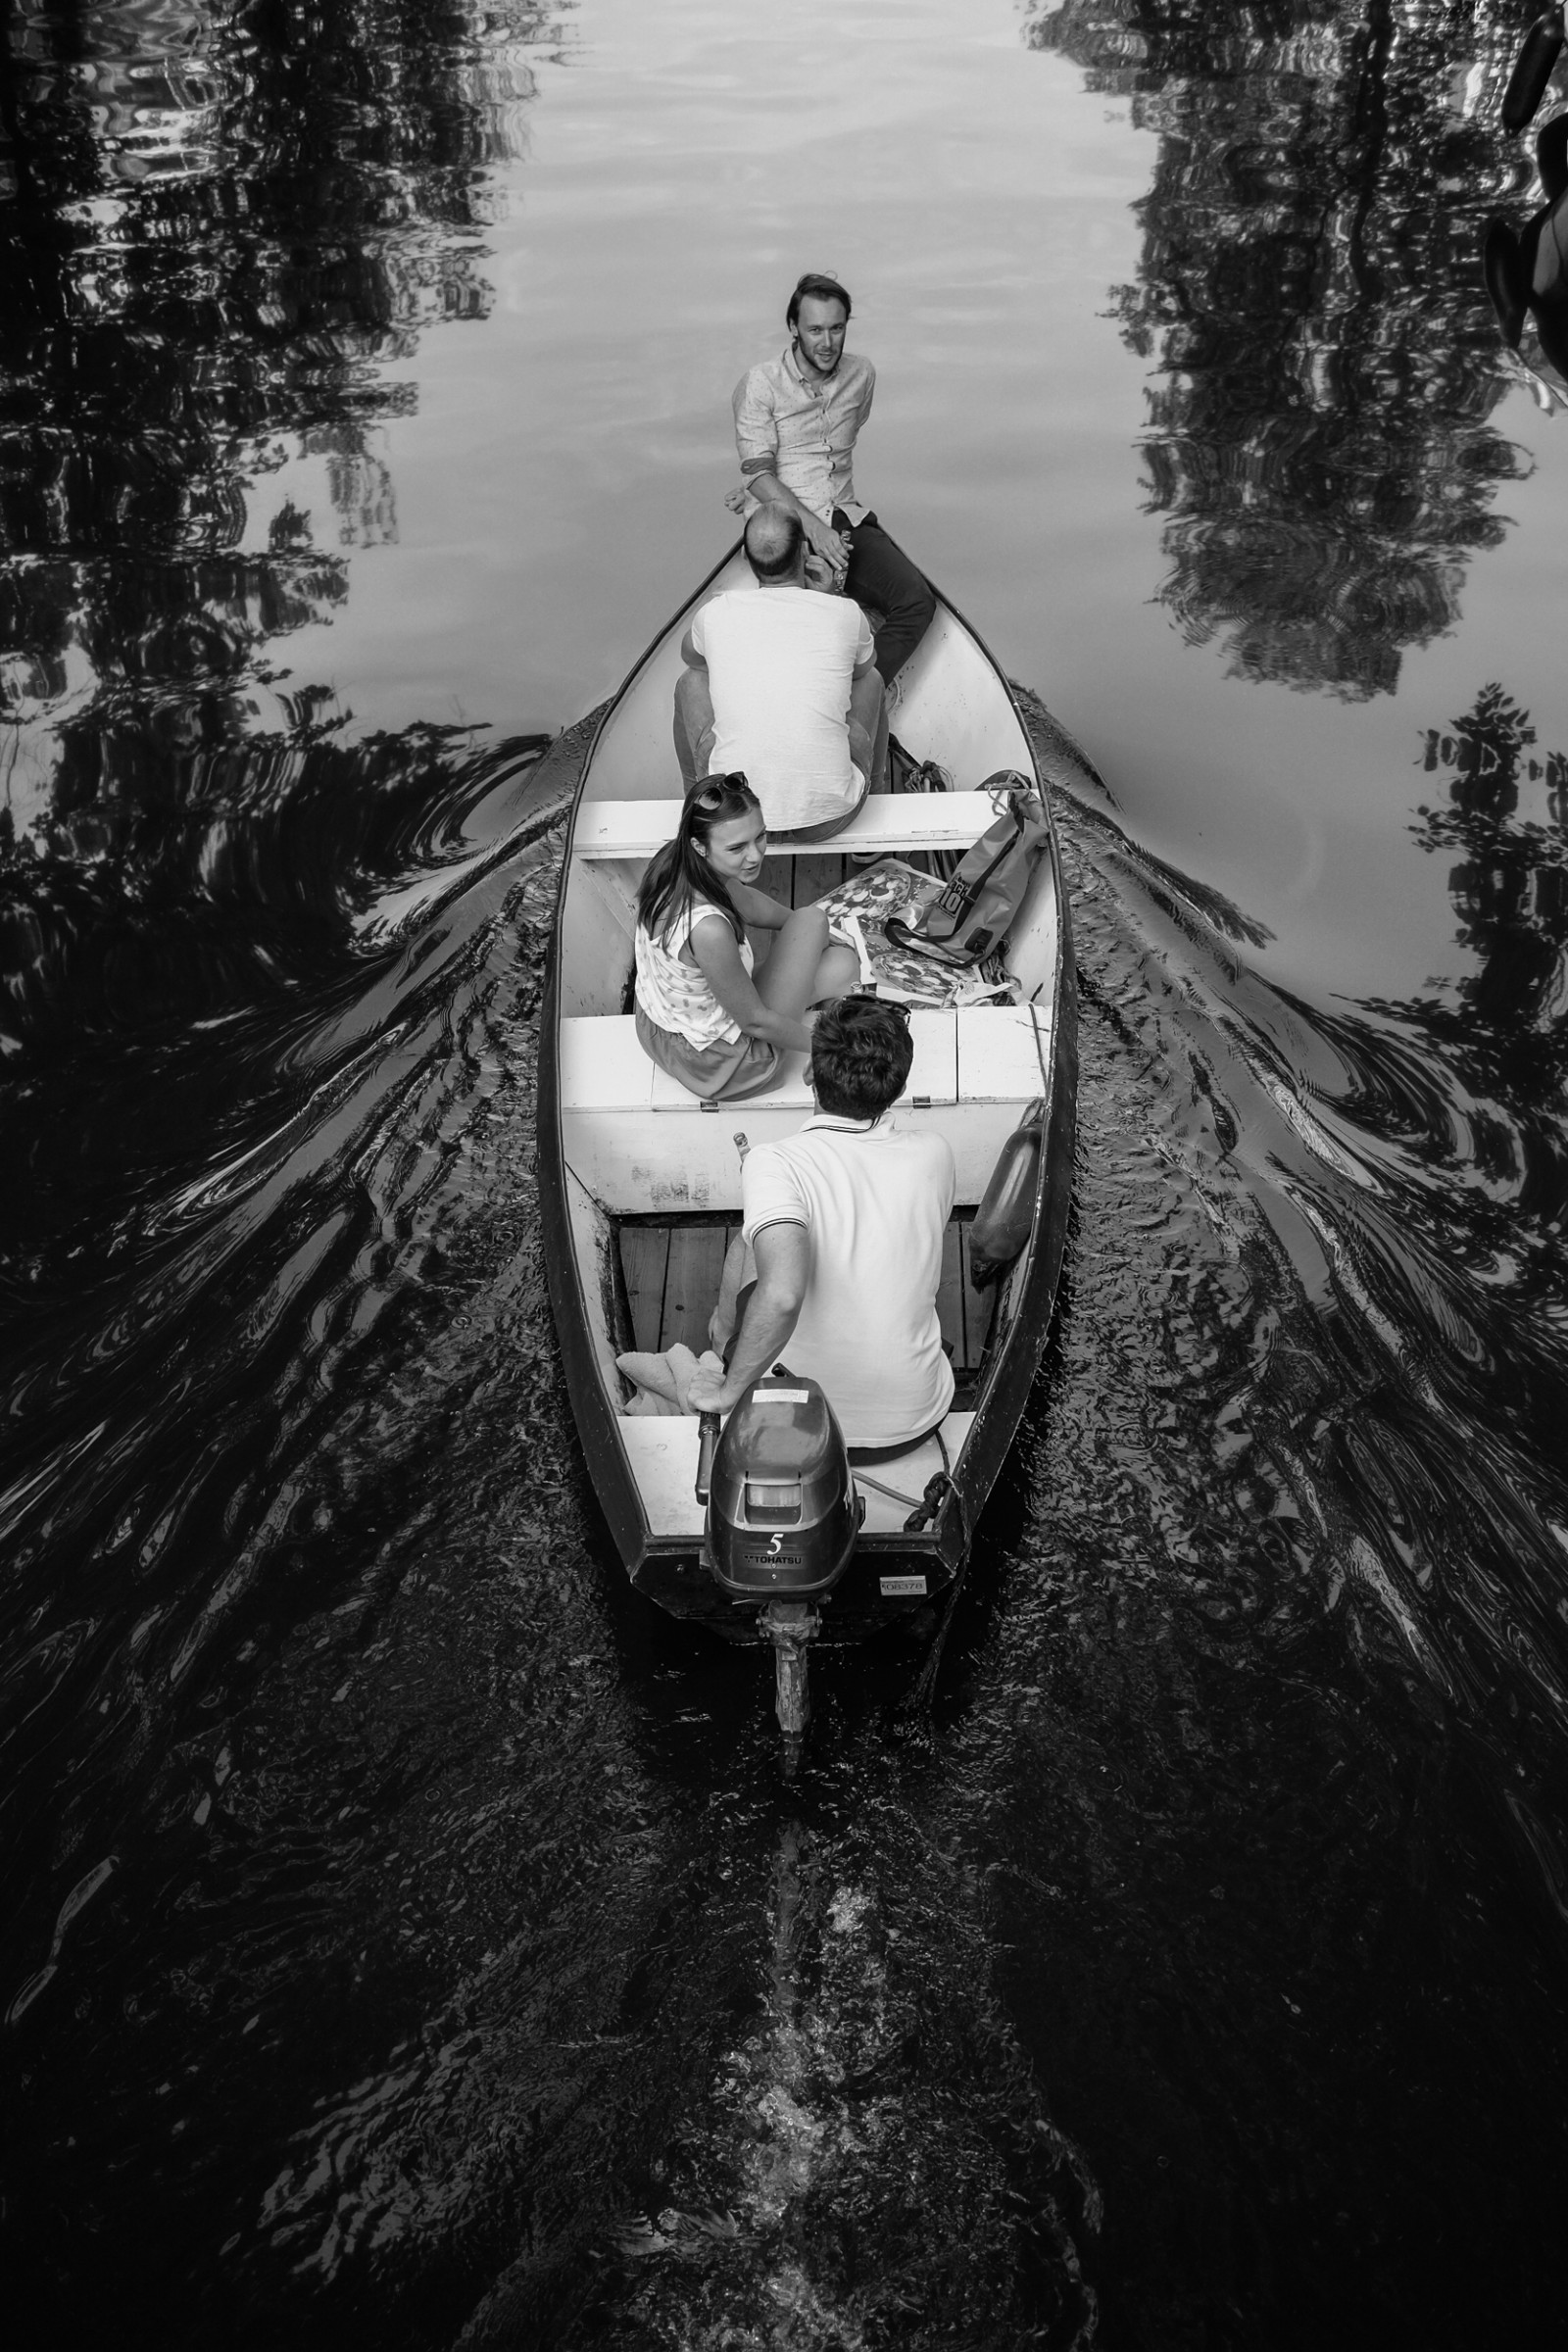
x,y
414,1928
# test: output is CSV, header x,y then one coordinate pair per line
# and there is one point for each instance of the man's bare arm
x,y
783,1271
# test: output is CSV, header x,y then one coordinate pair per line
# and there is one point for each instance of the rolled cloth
x,y
663,1382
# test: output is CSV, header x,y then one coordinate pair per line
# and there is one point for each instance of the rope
x,y
911,1502
1040,1051
863,1478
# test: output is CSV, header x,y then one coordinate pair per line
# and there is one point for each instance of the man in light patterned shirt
x,y
797,419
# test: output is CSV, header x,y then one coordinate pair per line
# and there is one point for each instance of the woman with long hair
x,y
701,1014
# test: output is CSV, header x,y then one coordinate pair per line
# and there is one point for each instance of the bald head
x,y
775,543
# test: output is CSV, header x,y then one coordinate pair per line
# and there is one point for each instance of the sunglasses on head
x,y
717,790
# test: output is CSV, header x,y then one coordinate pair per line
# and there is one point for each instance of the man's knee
x,y
837,972
806,922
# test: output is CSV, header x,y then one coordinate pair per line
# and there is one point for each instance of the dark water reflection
x,y
409,1939
223,231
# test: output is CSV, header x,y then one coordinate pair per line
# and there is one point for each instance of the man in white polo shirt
x,y
781,683
846,1221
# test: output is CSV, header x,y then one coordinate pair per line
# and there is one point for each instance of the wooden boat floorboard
x,y
672,1275
644,1258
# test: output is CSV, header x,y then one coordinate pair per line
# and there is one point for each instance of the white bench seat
x,y
643,1146
664,1461
887,821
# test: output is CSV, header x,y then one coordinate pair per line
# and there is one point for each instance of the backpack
x,y
972,915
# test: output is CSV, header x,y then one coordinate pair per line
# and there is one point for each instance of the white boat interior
x,y
652,1174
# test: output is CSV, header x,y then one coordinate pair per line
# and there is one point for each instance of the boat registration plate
x,y
893,1586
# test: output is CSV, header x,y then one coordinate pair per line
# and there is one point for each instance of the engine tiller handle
x,y
707,1446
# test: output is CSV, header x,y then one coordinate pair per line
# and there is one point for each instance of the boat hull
x,y
895,1572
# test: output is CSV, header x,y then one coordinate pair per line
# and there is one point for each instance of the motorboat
x,y
640,1182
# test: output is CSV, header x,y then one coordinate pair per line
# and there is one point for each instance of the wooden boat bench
x,y
641,1145
886,822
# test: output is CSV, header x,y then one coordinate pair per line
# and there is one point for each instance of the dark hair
x,y
861,1056
679,871
773,567
825,289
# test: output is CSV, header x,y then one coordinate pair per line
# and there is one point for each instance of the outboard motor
x,y
783,1515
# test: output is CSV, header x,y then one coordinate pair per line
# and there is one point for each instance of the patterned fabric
x,y
891,887
804,432
676,996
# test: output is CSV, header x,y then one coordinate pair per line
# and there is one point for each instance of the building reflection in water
x,y
218,231
1324,356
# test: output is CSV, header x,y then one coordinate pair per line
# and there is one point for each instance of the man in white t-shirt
x,y
846,1221
781,683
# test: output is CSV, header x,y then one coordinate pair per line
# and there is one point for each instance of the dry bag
x,y
974,913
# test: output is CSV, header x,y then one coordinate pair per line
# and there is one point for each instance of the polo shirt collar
x,y
831,1121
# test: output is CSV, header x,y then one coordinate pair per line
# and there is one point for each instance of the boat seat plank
x,y
642,1145
644,1258
603,1066
662,1454
999,1058
645,1163
885,821
977,1053
933,1075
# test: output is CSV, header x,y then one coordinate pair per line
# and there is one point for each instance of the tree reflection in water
x,y
1501,1029
1324,354
217,230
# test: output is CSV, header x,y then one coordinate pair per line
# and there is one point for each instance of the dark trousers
x,y
881,574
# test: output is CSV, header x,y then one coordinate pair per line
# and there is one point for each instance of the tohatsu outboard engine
x,y
782,1518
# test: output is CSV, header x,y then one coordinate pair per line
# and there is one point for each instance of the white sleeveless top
x,y
676,996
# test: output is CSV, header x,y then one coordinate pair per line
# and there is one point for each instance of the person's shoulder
x,y
840,613
769,1175
790,1158
719,611
705,910
758,376
927,1144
